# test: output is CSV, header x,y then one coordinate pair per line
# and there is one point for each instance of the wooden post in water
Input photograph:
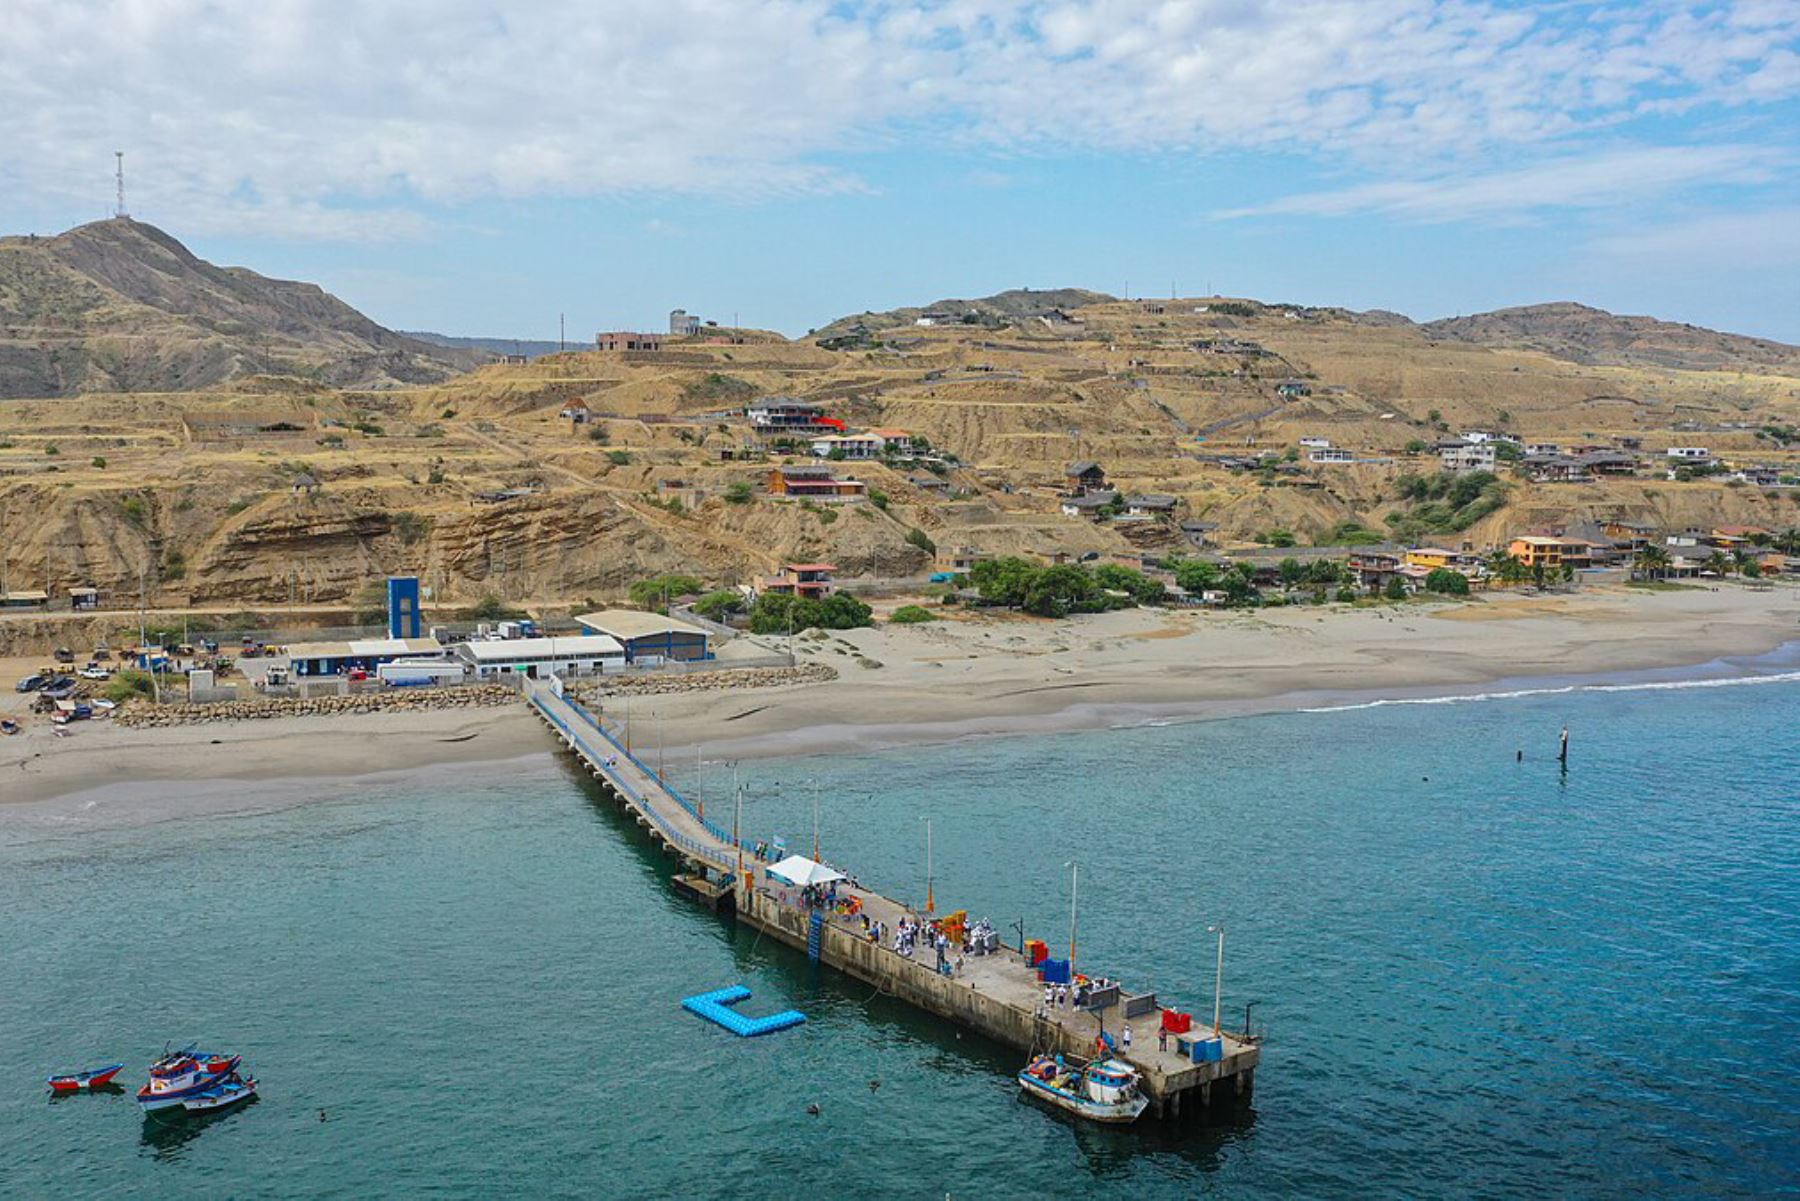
x,y
1563,756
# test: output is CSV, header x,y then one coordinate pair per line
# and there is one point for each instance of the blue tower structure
x,y
404,617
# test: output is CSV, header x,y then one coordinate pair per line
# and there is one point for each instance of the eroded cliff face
x,y
328,546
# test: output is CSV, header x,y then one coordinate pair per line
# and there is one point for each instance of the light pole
x,y
815,801
1218,974
930,901
1074,889
699,785
737,817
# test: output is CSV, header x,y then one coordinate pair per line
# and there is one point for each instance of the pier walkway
x,y
998,994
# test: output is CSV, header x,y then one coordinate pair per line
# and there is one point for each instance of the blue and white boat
x,y
1102,1090
185,1073
227,1092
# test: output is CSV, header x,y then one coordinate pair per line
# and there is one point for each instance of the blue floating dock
x,y
715,1007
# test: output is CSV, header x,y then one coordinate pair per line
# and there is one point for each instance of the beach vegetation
x,y
1129,580
129,683
654,593
492,608
1195,575
1054,591
1447,582
907,615
1346,595
780,612
1395,589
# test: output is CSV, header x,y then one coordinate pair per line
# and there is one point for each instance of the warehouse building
x,y
648,637
538,658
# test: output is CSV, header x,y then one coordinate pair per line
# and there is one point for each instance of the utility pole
x,y
930,901
562,332
119,161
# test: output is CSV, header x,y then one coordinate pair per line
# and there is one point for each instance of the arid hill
x,y
120,306
998,309
1588,335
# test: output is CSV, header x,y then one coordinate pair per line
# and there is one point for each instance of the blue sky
x,y
462,167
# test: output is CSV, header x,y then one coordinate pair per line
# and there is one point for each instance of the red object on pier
x,y
1037,950
1176,1022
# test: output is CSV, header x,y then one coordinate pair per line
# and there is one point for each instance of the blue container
x,y
1208,1050
1054,971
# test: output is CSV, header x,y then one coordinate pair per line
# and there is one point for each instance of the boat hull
x,y
1115,1114
75,1082
222,1096
202,1081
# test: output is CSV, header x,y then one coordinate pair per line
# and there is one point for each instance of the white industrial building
x,y
537,658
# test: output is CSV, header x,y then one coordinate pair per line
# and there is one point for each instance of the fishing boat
x,y
183,1074
74,1082
227,1092
1101,1090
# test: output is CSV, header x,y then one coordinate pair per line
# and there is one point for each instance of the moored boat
x,y
185,1073
1101,1090
229,1091
74,1082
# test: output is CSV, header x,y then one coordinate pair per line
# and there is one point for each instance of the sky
x,y
483,169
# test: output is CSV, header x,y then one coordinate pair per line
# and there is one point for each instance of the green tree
x,y
492,608
1719,563
1003,581
1291,572
737,493
919,538
1060,590
1652,562
1346,595
1135,584
1196,575
1450,583
1395,589
655,592
717,606
619,458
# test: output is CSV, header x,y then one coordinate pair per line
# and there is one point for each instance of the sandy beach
x,y
982,676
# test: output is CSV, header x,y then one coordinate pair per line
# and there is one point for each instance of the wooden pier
x,y
997,995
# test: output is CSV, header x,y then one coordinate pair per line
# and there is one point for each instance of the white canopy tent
x,y
800,871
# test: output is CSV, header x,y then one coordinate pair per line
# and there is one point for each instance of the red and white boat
x,y
75,1082
186,1073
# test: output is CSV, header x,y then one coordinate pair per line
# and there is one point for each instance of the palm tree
x,y
1653,561
1741,559
1788,541
1719,563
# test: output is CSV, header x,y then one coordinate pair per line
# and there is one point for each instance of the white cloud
x,y
1587,181
1753,241
347,119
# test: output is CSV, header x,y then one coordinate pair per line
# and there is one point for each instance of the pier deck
x,y
998,995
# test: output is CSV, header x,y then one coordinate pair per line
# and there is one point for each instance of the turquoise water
x,y
1476,977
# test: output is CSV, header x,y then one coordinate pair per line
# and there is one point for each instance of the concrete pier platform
x,y
997,995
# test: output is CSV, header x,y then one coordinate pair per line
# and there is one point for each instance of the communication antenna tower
x,y
119,156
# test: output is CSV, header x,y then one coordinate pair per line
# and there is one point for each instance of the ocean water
x,y
1475,976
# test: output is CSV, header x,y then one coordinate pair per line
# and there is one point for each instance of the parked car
x,y
94,671
59,690
31,683
64,655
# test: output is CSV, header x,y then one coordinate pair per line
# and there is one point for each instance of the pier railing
x,y
643,803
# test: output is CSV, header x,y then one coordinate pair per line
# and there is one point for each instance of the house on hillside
x,y
1331,454
1292,388
621,339
1463,455
576,412
305,484
1150,504
1084,476
1088,504
812,581
847,446
781,416
813,483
